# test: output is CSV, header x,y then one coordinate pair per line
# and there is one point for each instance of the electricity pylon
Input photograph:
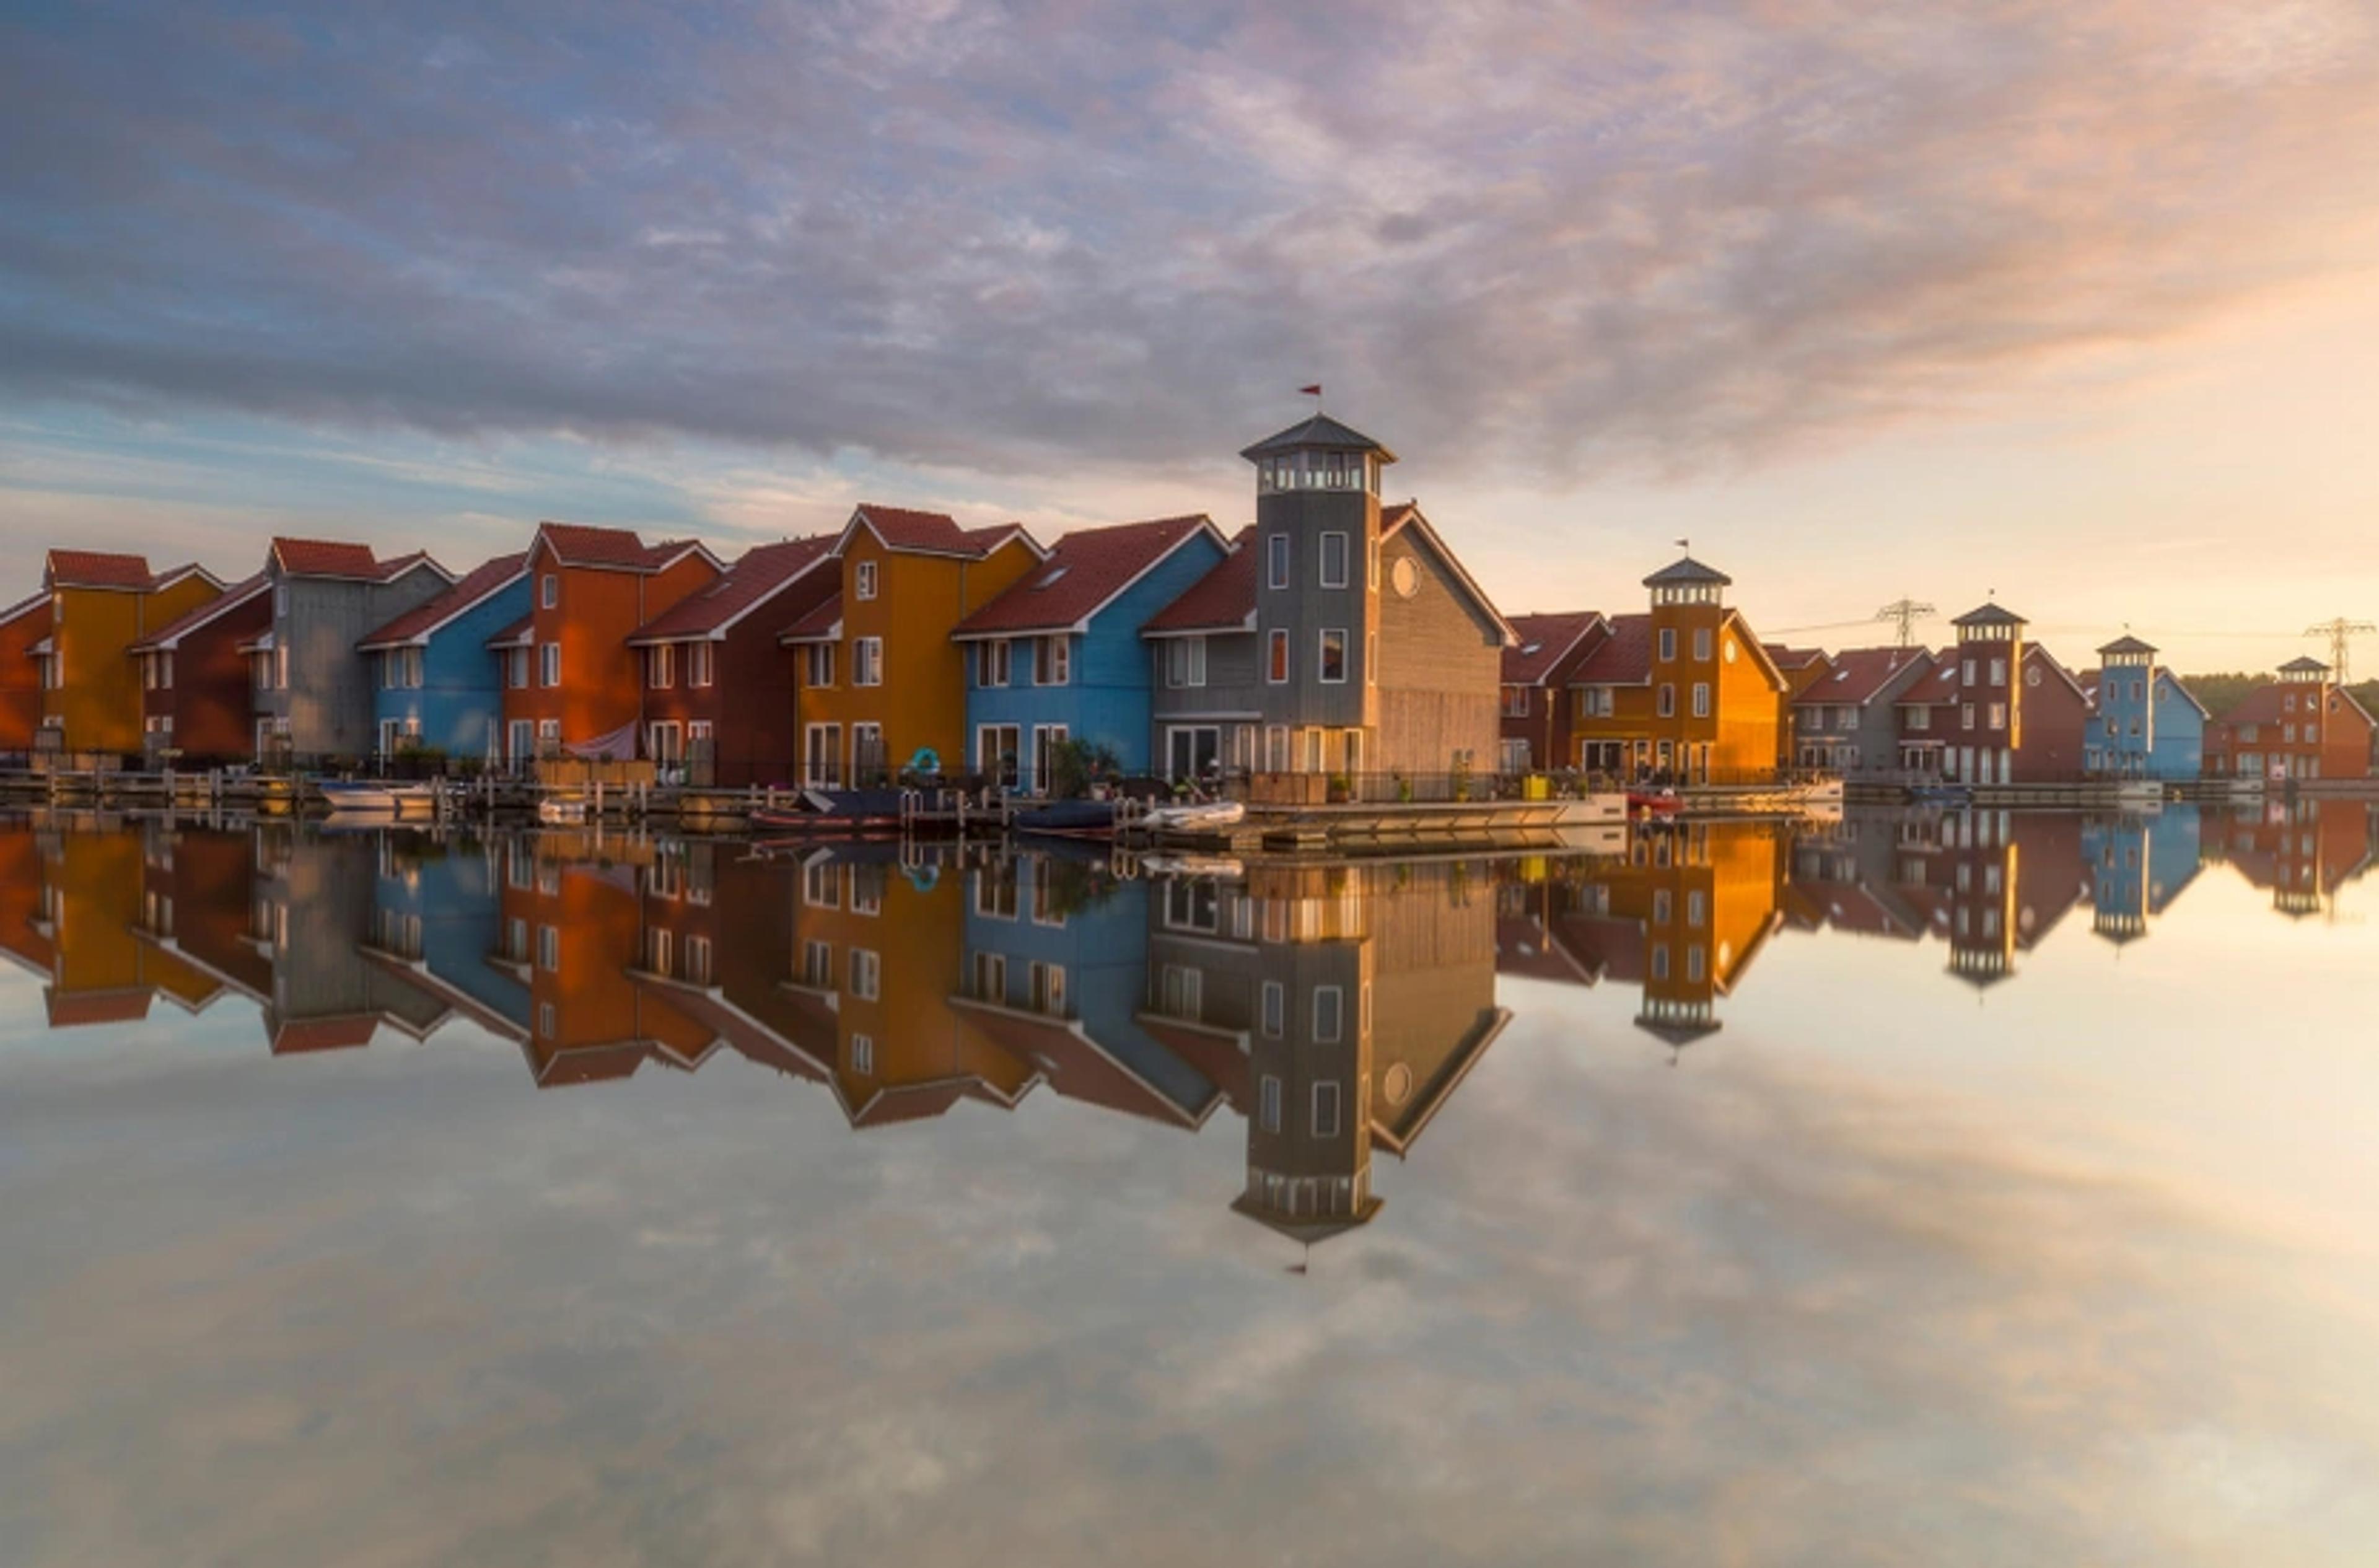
x,y
1906,612
2341,634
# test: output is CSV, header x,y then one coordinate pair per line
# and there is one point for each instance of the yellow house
x,y
882,687
100,605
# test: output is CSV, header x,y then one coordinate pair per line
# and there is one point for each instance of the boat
x,y
1226,867
821,812
1653,802
357,799
1193,816
1070,819
563,812
1940,795
2139,794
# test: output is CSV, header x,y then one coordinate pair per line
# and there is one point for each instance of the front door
x,y
822,756
1193,750
998,750
520,741
1046,739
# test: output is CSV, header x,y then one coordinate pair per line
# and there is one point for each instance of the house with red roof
x,y
313,695
1058,656
2303,725
1995,708
572,683
889,695
438,687
1685,691
197,690
1537,668
1848,720
100,605
721,703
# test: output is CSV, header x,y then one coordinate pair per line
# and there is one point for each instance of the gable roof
x,y
822,624
759,576
480,583
2167,678
2263,705
173,632
1623,658
1543,642
1319,431
1223,600
96,569
1084,572
1861,674
25,607
615,549
909,532
1784,658
1394,520
344,560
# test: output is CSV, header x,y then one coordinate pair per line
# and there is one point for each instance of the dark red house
x,y
1539,665
196,683
720,700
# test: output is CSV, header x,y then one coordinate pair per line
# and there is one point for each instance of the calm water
x,y
1965,1189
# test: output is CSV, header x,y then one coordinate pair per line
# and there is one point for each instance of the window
x,y
1597,702
662,671
866,973
822,886
281,666
699,663
990,978
1998,716
281,597
1276,657
817,660
1667,644
817,965
1046,739
549,735
1920,717
1268,1104
1333,560
1333,655
1701,699
1181,993
548,591
549,656
1053,660
992,663
1696,906
1276,747
862,1055
1697,963
1277,560
867,661
1965,716
545,1019
517,668
549,948
864,577
1329,1014
1191,903
1515,702
867,889
1999,672
1185,662
1662,906
1967,673
1325,1109
1661,961
1701,644
1275,1009
1048,987
1666,701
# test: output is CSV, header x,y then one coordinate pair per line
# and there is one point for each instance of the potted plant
x,y
1341,789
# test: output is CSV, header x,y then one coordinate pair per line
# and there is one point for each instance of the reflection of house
x,y
1094,594
98,894
2302,850
2138,865
2302,725
314,911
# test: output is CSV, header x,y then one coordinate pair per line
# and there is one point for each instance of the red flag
x,y
1313,391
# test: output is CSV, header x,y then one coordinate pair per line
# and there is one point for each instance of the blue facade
x,y
458,707
442,912
1106,698
2138,866
2146,725
1086,971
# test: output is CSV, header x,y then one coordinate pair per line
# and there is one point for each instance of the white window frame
x,y
701,664
1281,670
818,671
1053,660
1668,645
549,665
1334,1015
1701,699
660,670
867,974
1268,1103
1185,663
1279,560
863,579
863,1056
867,661
549,590
994,663
1274,1017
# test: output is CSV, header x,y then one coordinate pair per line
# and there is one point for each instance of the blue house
x,y
436,916
1058,656
2147,724
436,686
1061,979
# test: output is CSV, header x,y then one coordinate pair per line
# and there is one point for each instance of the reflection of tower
x,y
1309,1173
1708,897
2119,879
1982,867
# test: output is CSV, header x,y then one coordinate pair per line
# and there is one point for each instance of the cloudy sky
x,y
2072,303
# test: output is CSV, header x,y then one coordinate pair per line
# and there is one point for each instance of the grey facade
x,y
1848,720
1222,708
320,696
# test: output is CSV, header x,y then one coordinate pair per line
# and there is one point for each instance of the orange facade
x,y
94,696
1701,703
906,603
592,685
20,673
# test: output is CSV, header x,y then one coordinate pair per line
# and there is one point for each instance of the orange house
x,y
99,606
891,694
1684,693
21,625
570,680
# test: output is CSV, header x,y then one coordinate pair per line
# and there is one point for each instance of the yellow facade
x,y
94,692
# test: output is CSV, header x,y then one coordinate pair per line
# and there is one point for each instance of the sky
x,y
2078,306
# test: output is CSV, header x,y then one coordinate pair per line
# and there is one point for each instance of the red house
x,y
1998,710
1538,667
572,681
197,681
2303,725
22,625
719,694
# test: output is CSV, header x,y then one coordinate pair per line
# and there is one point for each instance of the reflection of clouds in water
x,y
1775,1312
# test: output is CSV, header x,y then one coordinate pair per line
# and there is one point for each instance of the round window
x,y
1397,1084
2032,676
1406,576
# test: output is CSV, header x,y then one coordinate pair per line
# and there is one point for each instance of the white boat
x,y
376,799
1196,817
1223,866
565,811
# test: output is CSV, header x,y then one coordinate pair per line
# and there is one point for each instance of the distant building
x,y
313,688
1996,709
439,686
1848,720
2138,865
2143,722
1539,665
1095,591
1686,691
196,690
2303,725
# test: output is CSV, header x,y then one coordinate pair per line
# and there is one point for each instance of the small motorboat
x,y
1070,819
354,798
817,812
1653,802
1193,816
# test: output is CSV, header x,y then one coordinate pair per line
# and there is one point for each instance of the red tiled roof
x,y
173,632
28,606
2262,705
587,1064
517,633
98,569
391,570
173,575
1623,658
984,541
1223,599
322,1034
72,1010
326,557
582,544
1086,569
819,622
1078,1067
909,1103
475,585
901,528
1545,640
1932,691
762,571
1394,517
1860,674
1791,658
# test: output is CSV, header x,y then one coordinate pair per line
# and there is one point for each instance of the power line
x,y
1906,612
2341,634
